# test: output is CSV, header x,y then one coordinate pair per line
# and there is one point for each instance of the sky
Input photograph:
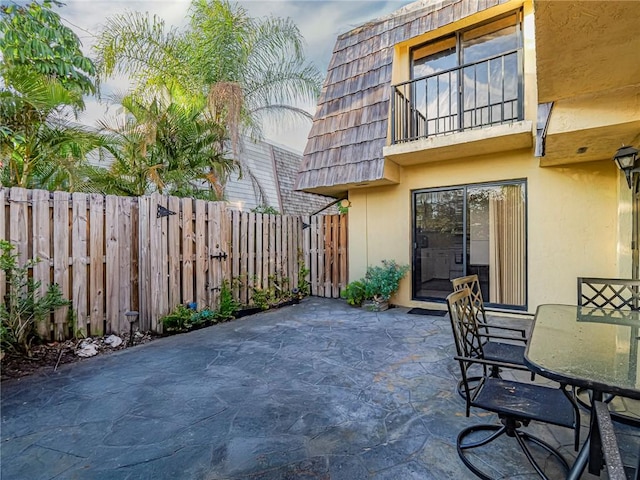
x,y
319,21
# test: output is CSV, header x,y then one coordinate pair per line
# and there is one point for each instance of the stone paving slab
x,y
318,390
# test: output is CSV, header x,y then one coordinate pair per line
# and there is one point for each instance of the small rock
x,y
87,349
113,340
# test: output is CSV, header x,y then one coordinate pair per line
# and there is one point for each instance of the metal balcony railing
x,y
475,95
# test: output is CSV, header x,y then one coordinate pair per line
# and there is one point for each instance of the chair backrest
x,y
617,293
465,334
473,284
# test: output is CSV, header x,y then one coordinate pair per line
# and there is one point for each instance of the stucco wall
x,y
572,223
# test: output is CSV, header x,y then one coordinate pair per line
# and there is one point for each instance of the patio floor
x,y
318,390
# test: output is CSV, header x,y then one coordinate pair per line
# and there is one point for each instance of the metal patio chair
x,y
497,342
618,294
516,403
473,283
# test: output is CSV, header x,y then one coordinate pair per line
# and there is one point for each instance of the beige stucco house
x,y
477,136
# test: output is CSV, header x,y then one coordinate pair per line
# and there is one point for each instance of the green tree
x,y
44,76
162,144
246,69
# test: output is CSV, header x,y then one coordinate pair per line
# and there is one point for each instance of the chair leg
x,y
497,430
510,428
521,437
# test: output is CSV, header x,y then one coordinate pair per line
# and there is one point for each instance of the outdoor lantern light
x,y
625,159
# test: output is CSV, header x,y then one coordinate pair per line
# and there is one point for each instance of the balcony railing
x,y
475,95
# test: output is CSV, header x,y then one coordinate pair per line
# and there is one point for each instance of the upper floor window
x,y
467,80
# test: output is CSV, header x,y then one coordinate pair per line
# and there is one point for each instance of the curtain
x,y
507,245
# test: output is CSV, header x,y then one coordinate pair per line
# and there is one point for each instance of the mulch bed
x,y
48,357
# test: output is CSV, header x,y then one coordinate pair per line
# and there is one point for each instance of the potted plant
x,y
377,286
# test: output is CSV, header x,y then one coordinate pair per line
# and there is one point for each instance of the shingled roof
x,y
350,125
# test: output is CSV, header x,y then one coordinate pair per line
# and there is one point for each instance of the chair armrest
x,y
492,363
502,337
521,331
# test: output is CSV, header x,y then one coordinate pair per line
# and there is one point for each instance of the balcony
x,y
440,110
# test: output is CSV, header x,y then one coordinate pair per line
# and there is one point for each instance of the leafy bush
x,y
23,307
228,305
260,298
379,283
354,293
383,281
179,320
203,317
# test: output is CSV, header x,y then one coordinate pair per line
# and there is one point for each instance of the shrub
x,y
228,305
383,281
179,320
354,293
23,307
379,283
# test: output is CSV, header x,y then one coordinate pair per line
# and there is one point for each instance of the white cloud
x,y
319,21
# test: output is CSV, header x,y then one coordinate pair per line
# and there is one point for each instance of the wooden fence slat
x,y
244,257
162,226
313,255
266,255
144,270
279,273
235,252
174,252
18,227
225,235
134,296
157,283
96,264
290,249
61,258
214,274
201,263
321,248
335,262
306,246
296,250
344,259
259,255
112,266
251,255
272,247
79,243
41,250
187,250
124,263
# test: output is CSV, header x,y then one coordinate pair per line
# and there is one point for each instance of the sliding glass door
x,y
472,229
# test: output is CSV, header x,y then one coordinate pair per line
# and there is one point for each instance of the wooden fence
x,y
111,255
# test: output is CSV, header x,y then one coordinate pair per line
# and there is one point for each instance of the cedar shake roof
x,y
350,125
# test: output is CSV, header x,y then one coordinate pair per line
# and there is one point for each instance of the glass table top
x,y
587,347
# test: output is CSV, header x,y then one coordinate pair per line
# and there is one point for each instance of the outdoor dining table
x,y
592,348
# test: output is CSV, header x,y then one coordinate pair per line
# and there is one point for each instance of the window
x,y
473,229
468,80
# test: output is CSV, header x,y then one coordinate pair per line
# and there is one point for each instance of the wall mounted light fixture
x,y
625,159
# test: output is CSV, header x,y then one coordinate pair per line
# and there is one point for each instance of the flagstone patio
x,y
316,390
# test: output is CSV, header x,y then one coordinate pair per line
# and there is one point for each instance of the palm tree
x,y
41,147
160,144
248,70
